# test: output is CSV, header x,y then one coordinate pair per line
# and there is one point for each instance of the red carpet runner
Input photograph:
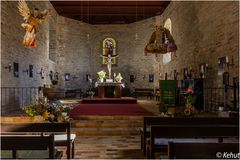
x,y
110,109
123,100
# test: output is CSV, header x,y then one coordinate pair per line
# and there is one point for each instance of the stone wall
x,y
80,46
74,52
12,50
203,32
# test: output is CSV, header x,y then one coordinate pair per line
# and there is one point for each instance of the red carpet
x,y
122,100
109,109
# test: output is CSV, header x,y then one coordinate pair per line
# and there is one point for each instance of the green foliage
x,y
190,99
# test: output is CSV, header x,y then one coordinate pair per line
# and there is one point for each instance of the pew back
x,y
189,131
13,128
200,150
148,121
17,142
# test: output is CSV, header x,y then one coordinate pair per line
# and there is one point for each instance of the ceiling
x,y
109,12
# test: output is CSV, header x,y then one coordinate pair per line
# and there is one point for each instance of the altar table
x,y
110,90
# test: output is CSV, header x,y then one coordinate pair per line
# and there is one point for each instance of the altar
x,y
109,89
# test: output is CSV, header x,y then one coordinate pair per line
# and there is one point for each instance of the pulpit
x,y
110,90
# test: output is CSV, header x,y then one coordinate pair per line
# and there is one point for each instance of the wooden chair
x,y
200,150
153,120
41,128
17,143
188,132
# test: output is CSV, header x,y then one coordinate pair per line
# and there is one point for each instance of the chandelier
x,y
161,42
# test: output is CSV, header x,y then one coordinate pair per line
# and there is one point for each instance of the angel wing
x,y
23,9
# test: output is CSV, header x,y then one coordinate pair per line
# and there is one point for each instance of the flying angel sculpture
x,y
32,19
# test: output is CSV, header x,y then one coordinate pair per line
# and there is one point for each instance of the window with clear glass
x,y
167,57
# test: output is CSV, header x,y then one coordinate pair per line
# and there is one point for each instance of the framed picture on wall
x,y
67,76
175,74
15,69
185,73
30,70
51,75
202,70
132,78
151,78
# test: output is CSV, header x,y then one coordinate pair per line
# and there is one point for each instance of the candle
x,y
226,59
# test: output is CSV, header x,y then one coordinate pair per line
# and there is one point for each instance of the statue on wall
x,y
161,42
32,19
109,54
109,58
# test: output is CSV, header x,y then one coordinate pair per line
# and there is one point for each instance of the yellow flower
x,y
45,114
187,111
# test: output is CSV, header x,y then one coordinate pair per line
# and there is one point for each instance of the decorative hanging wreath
x,y
161,42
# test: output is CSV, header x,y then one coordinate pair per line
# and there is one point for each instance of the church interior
x,y
120,79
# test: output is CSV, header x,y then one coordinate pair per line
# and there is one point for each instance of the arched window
x,y
167,56
109,47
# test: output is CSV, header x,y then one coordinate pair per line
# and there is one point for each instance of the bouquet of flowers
x,y
101,75
41,110
189,109
118,78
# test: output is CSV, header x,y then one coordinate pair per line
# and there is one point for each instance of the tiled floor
x,y
112,147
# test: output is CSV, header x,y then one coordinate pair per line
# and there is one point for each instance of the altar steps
x,y
107,125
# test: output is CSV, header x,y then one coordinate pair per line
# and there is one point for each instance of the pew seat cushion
x,y
164,141
63,137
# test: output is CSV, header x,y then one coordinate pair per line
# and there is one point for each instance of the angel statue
x,y
32,19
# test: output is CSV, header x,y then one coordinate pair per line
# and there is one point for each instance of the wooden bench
x,y
148,121
193,133
73,93
40,128
200,150
15,143
148,92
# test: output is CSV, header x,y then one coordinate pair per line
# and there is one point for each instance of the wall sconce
x,y
51,75
26,71
9,67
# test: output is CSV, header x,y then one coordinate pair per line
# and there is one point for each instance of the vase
x,y
101,80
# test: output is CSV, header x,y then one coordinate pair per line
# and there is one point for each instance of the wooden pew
x,y
148,121
200,150
16,143
148,92
188,132
40,128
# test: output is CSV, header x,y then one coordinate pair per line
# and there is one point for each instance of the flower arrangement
x,y
101,75
118,78
91,93
41,110
189,109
